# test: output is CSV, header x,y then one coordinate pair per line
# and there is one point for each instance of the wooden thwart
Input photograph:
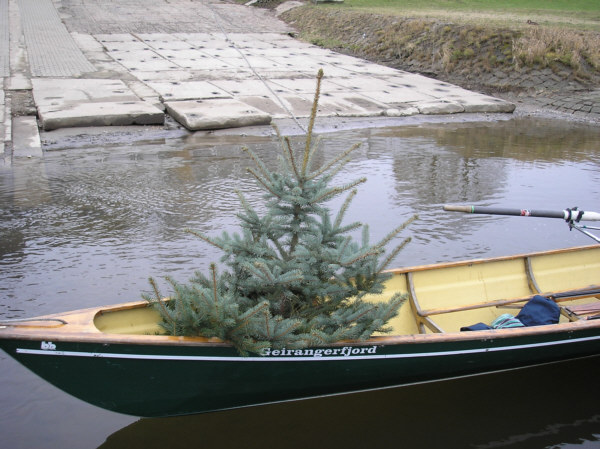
x,y
504,302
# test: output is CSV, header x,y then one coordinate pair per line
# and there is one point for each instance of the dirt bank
x,y
500,62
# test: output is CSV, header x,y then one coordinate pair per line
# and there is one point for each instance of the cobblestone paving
x,y
581,105
50,47
4,43
548,90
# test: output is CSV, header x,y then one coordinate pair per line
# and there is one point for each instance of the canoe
x,y
116,358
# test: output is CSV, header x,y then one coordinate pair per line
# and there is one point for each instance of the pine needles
x,y
294,277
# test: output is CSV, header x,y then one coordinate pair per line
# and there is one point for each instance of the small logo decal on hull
x,y
48,346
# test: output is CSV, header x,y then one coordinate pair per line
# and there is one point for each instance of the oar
x,y
567,214
571,216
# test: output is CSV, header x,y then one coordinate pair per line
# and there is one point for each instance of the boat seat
x,y
583,311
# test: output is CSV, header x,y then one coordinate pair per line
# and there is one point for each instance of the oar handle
x,y
567,214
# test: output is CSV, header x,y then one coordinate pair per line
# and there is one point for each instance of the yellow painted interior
x,y
438,288
469,284
135,321
404,323
567,271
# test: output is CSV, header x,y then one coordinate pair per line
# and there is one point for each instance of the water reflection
x,y
523,409
87,226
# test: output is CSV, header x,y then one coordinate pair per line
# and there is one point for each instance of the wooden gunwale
x,y
462,263
81,327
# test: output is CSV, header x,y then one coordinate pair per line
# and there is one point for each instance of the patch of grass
x,y
545,47
574,14
430,44
470,5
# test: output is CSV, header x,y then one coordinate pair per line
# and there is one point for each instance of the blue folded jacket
x,y
538,311
475,327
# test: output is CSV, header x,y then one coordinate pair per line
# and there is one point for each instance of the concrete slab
x,y
440,107
143,60
370,69
116,37
187,90
101,114
169,76
58,91
249,87
256,62
293,63
395,96
203,40
216,114
384,90
276,52
299,106
222,52
26,137
201,63
90,102
87,42
371,83
216,78
308,85
268,105
146,94
129,45
482,103
310,71
401,111
249,41
187,53
164,42
347,105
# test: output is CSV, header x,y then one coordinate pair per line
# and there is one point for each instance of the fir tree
x,y
295,277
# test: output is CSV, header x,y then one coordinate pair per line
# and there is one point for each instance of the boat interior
x,y
446,297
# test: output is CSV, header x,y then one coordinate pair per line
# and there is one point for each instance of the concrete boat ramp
x,y
83,71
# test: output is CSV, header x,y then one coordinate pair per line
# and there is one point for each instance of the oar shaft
x,y
563,214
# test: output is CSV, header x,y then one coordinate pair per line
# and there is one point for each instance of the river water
x,y
87,226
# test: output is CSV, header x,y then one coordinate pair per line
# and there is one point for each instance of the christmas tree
x,y
294,276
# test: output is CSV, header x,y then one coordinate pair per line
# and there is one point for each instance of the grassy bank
x,y
571,14
459,41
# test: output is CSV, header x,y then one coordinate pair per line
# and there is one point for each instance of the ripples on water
x,y
85,227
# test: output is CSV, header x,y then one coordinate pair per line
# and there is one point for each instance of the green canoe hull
x,y
166,380
116,358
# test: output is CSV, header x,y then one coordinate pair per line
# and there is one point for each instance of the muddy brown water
x,y
88,226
